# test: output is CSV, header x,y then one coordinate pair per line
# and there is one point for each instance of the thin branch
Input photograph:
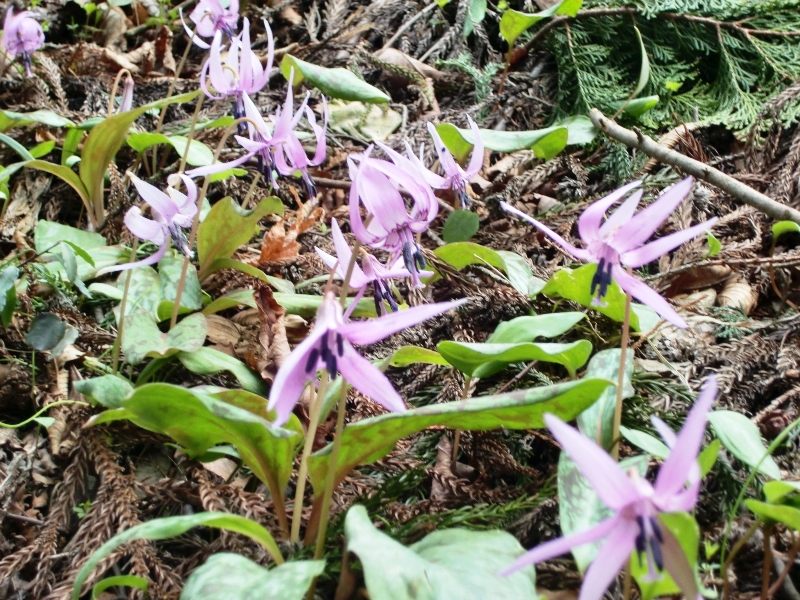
x,y
736,189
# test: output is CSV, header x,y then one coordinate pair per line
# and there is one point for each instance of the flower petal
x,y
674,473
578,253
150,260
368,379
319,132
144,228
158,200
611,557
620,216
606,477
647,295
646,221
664,431
650,252
194,37
561,545
677,565
368,332
449,164
476,160
590,219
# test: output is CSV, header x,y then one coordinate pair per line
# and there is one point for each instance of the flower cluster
x,y
22,36
210,17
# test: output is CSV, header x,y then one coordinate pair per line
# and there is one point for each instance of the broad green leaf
x,y
228,227
580,507
519,274
198,421
108,390
231,300
528,328
9,119
200,155
452,564
227,576
714,245
644,441
365,122
371,439
551,144
144,291
708,457
336,83
170,269
141,337
409,355
788,515
777,491
460,226
282,285
597,421
306,305
781,227
644,69
638,106
65,174
484,360
40,150
686,531
576,285
47,234
475,14
8,294
104,142
741,437
514,23
45,332
118,581
460,141
169,527
16,147
142,140
208,361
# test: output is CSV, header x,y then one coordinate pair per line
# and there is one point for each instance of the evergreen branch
x,y
737,189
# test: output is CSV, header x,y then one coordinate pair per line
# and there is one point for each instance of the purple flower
x,y
209,17
636,503
23,35
172,212
127,94
455,177
329,346
290,156
370,271
376,184
619,241
240,73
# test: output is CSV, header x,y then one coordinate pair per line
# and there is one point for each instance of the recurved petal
x,y
158,200
677,565
645,223
590,219
319,133
195,37
647,295
476,160
648,253
446,159
561,545
251,112
613,554
219,167
364,333
607,478
368,379
578,253
620,216
664,431
150,260
270,50
676,470
144,228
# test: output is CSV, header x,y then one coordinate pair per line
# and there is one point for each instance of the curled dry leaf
x,y
281,244
274,344
222,331
395,57
737,293
699,278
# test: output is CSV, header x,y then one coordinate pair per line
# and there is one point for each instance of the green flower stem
x,y
114,87
313,422
43,410
626,330
121,324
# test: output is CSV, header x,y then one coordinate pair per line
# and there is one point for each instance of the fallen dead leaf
x,y
737,293
273,340
281,244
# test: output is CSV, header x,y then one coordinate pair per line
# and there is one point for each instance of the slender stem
x,y
189,137
45,409
313,423
121,324
786,568
626,328
627,586
767,569
114,87
734,551
465,392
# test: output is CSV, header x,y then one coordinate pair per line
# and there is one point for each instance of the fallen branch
x,y
737,189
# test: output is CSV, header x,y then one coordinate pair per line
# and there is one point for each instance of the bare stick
x,y
737,189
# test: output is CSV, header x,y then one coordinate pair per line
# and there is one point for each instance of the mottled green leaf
x,y
741,437
597,421
336,83
108,390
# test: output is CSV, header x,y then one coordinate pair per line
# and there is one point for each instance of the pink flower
x,y
127,95
22,35
209,17
172,212
370,271
290,156
636,503
619,241
376,185
240,73
329,347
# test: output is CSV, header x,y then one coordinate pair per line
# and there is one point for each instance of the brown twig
x,y
737,189
786,569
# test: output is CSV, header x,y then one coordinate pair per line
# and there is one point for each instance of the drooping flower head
x,y
376,185
22,35
127,94
370,271
620,240
637,505
209,17
239,73
172,212
455,178
330,346
290,156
